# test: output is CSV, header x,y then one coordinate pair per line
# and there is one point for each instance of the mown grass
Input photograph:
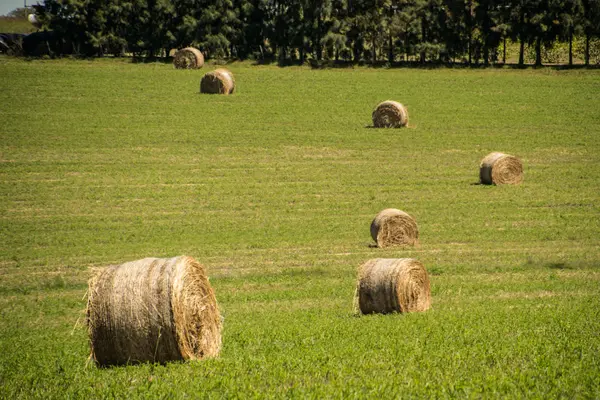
x,y
273,190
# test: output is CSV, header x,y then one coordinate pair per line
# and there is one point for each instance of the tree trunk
x,y
538,51
570,48
319,46
374,51
469,48
486,38
423,31
356,50
486,55
522,52
391,50
587,49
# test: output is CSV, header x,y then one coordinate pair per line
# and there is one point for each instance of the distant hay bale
x,y
394,227
499,168
155,309
390,114
387,285
230,75
188,58
219,81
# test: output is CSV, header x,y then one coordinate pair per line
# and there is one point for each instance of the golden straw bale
x,y
219,81
153,310
499,168
394,227
188,58
387,285
390,114
230,75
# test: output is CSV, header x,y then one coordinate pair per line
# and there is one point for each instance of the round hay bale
x,y
390,114
499,168
387,285
230,75
155,309
394,227
219,81
188,58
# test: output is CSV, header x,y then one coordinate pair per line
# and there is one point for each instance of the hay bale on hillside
x,y
155,309
219,81
499,168
188,58
394,227
387,285
390,114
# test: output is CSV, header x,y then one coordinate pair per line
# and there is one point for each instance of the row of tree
x,y
471,31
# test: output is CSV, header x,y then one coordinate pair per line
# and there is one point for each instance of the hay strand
x,y
500,169
392,227
155,309
219,81
387,285
188,58
390,114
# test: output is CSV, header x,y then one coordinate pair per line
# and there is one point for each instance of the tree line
x,y
372,31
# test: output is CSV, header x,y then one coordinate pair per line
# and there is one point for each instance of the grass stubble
x,y
273,190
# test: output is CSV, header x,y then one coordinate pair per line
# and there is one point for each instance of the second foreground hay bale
x,y
219,81
394,227
188,58
155,309
390,114
387,285
499,168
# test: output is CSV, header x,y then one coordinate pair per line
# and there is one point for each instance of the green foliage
x,y
273,189
301,30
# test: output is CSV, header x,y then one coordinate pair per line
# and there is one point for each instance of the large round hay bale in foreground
x,y
390,114
392,227
155,309
219,81
499,168
188,58
387,285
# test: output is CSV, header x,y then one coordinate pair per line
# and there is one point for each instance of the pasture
x,y
273,190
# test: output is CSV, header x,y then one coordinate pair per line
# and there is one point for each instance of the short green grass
x,y
273,189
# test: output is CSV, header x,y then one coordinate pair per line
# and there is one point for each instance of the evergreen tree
x,y
406,26
217,27
589,20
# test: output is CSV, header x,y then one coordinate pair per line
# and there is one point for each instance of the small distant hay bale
x,y
390,114
394,227
499,168
188,58
219,81
387,285
152,310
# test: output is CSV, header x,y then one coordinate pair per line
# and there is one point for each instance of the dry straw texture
x,y
499,168
188,58
394,227
219,81
390,114
155,309
387,285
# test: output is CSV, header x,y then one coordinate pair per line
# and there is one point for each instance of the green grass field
x,y
273,189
